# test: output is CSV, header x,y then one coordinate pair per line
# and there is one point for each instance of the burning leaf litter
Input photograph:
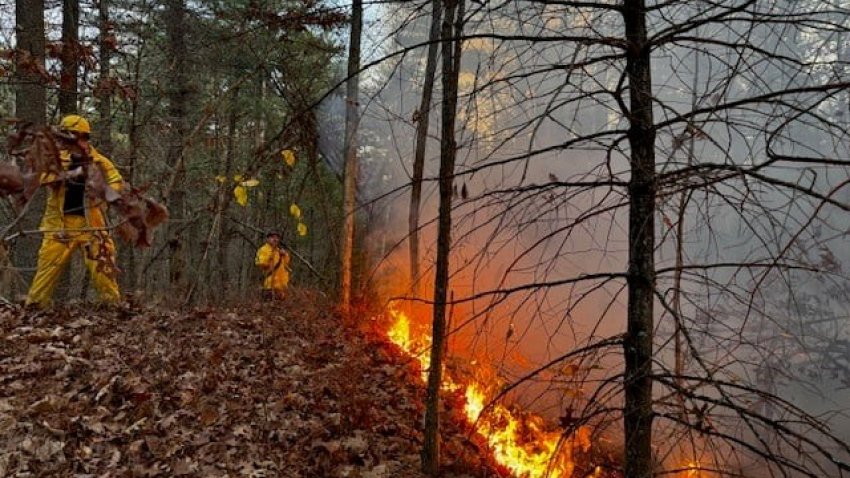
x,y
521,443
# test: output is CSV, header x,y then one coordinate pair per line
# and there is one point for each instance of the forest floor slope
x,y
284,391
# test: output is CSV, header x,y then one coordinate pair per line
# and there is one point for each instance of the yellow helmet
x,y
75,123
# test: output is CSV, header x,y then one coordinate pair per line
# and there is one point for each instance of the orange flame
x,y
692,470
400,335
520,443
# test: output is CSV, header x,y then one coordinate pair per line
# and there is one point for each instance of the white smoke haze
x,y
541,215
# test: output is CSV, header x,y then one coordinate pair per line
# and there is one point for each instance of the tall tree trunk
x,y
178,99
103,128
30,95
262,121
30,106
641,274
421,141
135,270
68,81
352,119
104,99
223,202
75,275
451,28
676,302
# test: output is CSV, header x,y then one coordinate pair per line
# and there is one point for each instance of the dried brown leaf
x,y
11,179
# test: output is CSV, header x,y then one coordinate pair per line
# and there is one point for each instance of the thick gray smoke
x,y
748,212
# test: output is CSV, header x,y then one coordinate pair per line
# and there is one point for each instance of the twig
x,y
47,231
15,222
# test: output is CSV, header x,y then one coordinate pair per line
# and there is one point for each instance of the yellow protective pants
x,y
55,252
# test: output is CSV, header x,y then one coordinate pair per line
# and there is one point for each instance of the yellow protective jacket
x,y
275,265
95,213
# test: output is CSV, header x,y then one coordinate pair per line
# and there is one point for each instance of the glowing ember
x,y
520,443
692,470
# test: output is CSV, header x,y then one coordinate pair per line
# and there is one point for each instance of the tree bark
x,y
134,271
352,120
638,413
30,95
676,302
421,141
78,283
68,76
104,100
103,127
451,28
223,201
178,97
30,106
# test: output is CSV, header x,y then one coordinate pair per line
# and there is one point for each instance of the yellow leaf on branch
x,y
295,211
241,195
288,157
250,183
302,229
221,179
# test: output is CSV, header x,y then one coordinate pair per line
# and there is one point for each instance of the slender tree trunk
x,y
451,27
262,121
78,283
684,200
224,202
68,81
178,97
30,106
104,100
103,127
352,119
641,274
421,141
30,95
679,369
75,276
134,271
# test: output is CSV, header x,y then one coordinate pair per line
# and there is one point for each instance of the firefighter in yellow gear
x,y
74,219
274,262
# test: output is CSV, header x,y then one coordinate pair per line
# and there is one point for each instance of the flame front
x,y
400,335
520,443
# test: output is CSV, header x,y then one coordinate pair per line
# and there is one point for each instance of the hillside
x,y
265,391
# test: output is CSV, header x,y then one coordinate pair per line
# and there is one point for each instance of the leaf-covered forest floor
x,y
260,391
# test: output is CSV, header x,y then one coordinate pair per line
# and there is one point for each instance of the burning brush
x,y
518,441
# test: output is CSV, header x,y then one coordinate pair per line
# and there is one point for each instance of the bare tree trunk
x,y
421,141
684,200
224,201
30,95
134,271
262,122
213,237
451,28
103,128
350,170
30,106
68,80
641,273
78,283
104,100
178,96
